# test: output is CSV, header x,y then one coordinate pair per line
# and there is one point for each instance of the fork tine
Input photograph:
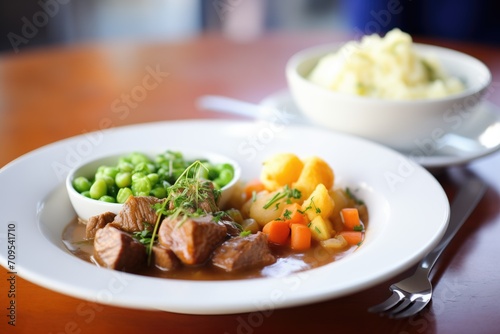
x,y
390,302
406,302
416,307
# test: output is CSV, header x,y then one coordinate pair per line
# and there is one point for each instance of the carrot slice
x,y
277,231
350,218
293,215
300,238
352,237
252,187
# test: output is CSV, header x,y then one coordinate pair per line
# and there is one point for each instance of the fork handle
x,y
463,204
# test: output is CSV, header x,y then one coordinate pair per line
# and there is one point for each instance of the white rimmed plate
x,y
408,209
473,138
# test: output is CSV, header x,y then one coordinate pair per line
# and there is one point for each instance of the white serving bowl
x,y
404,125
86,207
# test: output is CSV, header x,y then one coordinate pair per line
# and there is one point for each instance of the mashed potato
x,y
384,67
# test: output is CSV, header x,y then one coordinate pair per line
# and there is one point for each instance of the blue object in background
x,y
466,20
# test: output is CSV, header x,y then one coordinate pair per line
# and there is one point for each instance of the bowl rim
x,y
73,193
317,51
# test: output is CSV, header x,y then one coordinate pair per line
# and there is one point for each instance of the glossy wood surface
x,y
50,94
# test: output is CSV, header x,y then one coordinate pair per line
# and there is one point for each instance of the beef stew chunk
x,y
192,239
116,249
204,197
96,222
241,253
136,211
164,258
191,228
210,198
232,228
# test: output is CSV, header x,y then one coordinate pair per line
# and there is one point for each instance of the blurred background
x,y
33,23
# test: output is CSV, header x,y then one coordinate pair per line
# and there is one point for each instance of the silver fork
x,y
412,294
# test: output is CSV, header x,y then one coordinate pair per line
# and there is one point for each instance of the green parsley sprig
x,y
287,193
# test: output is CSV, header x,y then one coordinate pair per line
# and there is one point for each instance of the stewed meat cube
x,y
164,258
241,253
96,222
192,239
203,194
136,211
116,249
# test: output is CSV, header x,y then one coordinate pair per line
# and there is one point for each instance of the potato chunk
x,y
314,172
319,203
280,170
320,228
263,214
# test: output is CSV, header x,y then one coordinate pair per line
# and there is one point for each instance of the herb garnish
x,y
184,195
245,233
218,216
287,192
358,228
310,206
145,236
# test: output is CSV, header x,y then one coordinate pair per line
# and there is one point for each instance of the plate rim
x,y
295,298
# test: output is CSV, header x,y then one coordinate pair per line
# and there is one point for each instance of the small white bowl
x,y
86,207
404,125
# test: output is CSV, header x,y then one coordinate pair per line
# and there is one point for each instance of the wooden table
x,y
50,94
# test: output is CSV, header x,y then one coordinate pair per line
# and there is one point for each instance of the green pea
x,y
98,189
100,170
110,171
213,173
159,192
123,179
125,166
202,173
162,171
112,190
86,194
81,184
153,178
217,184
136,158
225,166
225,176
137,175
141,186
106,198
176,173
123,195
110,181
145,168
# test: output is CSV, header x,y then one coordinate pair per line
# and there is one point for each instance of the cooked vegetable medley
x,y
139,175
292,218
296,204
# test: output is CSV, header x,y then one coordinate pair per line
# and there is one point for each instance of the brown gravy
x,y
287,261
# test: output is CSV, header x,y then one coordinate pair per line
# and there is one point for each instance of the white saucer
x,y
477,137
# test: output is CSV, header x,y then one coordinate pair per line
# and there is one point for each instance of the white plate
x,y
476,137
408,208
